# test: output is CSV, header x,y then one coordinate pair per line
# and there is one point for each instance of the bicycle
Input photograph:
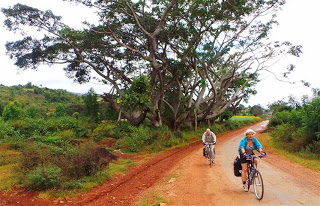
x,y
254,177
209,153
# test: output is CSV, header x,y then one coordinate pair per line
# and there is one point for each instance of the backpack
x,y
237,169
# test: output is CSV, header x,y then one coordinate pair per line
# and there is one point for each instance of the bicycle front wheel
x,y
258,187
210,157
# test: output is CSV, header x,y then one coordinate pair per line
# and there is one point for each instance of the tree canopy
x,y
198,57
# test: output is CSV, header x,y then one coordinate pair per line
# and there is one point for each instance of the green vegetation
x,y
152,198
297,129
60,143
312,163
246,118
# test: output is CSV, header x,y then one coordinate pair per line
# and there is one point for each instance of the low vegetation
x,y
60,143
312,163
297,129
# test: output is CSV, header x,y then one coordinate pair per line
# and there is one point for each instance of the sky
x,y
298,23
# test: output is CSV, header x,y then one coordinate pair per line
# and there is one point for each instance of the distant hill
x,y
41,97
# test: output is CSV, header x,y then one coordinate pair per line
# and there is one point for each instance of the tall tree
x,y
91,105
199,56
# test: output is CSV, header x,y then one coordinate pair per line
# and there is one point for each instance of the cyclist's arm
x,y
203,138
242,146
214,138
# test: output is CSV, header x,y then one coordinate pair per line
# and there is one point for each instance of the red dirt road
x,y
195,184
286,183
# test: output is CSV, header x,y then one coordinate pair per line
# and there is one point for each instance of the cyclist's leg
x,y
213,151
207,151
256,162
244,171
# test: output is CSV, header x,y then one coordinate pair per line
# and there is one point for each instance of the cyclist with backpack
x,y
209,137
246,147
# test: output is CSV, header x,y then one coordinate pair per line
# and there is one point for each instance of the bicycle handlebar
x,y
210,143
251,157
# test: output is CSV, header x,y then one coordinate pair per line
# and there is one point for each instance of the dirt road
x,y
196,183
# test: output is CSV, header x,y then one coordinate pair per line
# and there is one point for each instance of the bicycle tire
x,y
258,187
210,157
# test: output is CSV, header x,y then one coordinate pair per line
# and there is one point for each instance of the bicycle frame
x,y
254,177
209,153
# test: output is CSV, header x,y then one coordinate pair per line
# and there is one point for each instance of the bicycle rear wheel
x,y
258,187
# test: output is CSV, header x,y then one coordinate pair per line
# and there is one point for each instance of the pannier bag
x,y
237,169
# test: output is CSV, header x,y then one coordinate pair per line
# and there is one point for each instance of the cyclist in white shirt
x,y
209,137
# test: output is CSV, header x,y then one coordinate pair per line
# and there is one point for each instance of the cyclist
x,y
246,147
209,137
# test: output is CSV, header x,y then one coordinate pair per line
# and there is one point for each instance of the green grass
x,y
86,183
243,118
170,177
7,180
152,198
266,141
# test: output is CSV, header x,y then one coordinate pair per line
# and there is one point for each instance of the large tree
x,y
193,59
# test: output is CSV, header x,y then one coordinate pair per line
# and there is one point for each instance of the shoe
x,y
245,187
213,161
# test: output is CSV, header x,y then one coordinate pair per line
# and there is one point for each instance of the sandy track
x,y
286,183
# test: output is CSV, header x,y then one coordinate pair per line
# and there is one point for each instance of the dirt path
x,y
285,183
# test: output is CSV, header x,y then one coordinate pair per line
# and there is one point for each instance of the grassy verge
x,y
7,180
154,196
89,182
266,141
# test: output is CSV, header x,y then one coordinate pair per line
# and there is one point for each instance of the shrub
x,y
66,123
137,139
43,177
104,130
12,111
279,119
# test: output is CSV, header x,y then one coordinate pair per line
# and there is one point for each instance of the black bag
x,y
204,151
237,169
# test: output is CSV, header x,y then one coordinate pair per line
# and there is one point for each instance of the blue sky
x,y
298,24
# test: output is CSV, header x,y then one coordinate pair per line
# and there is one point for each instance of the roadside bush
x,y
43,177
311,150
122,129
217,128
44,166
32,156
279,118
104,130
231,125
282,136
311,119
173,141
163,137
137,139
